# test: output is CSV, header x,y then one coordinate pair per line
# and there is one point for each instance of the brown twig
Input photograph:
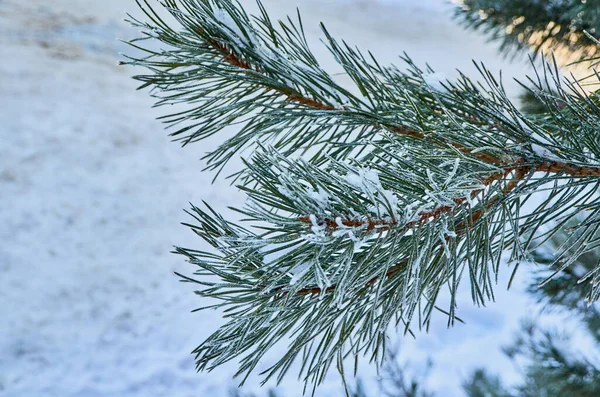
x,y
521,171
291,94
294,96
316,290
370,224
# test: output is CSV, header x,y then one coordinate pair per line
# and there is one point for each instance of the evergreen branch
x,y
260,61
411,183
263,283
229,56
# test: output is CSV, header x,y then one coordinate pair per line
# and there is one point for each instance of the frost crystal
x,y
350,232
364,179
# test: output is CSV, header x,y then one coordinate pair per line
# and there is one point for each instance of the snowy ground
x,y
91,193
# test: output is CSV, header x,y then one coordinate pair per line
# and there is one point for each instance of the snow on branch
x,y
361,207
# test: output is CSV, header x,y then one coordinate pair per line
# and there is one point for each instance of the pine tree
x,y
365,203
551,366
541,25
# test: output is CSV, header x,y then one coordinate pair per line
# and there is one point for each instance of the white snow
x,y
320,197
537,149
285,191
241,39
92,192
367,181
543,152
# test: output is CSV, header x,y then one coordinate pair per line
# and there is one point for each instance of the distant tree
x,y
541,25
552,368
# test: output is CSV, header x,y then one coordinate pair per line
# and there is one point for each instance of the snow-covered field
x,y
92,192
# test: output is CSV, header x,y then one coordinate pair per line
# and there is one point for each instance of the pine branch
x,y
364,202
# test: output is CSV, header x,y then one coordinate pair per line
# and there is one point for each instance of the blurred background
x,y
92,192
